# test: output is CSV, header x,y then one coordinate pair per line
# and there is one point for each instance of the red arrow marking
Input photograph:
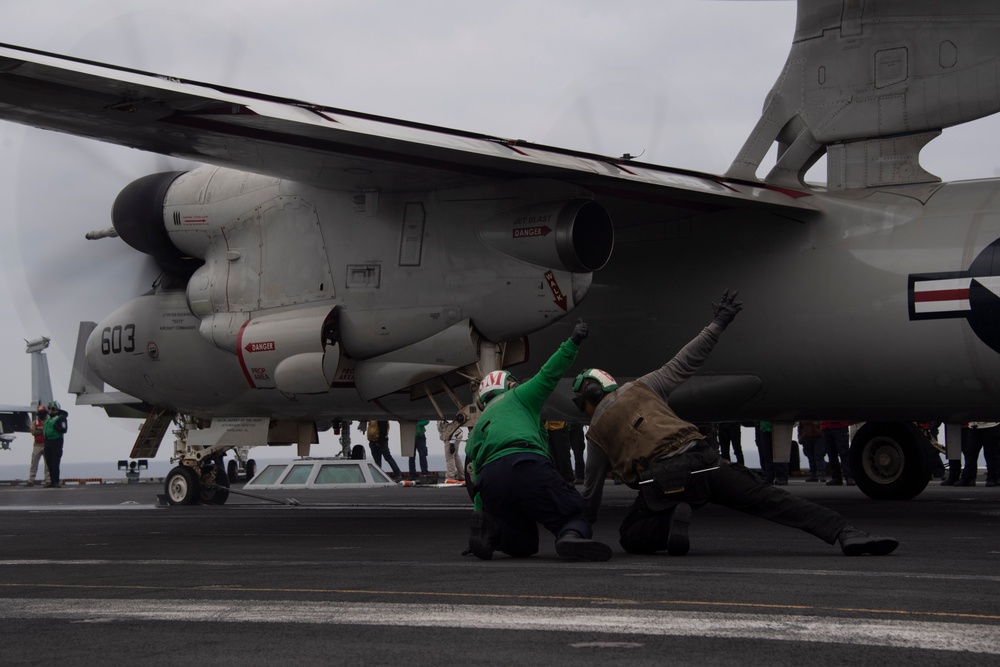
x,y
561,300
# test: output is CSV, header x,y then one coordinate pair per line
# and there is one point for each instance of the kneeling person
x,y
634,432
516,484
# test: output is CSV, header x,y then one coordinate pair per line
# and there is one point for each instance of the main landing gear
x,y
891,460
186,485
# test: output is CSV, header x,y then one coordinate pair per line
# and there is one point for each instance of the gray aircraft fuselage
x,y
830,328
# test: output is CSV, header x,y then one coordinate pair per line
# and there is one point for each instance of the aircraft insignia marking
x,y
972,294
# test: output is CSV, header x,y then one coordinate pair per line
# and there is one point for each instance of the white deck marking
x,y
867,631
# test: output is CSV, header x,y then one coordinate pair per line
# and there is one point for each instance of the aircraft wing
x,y
325,146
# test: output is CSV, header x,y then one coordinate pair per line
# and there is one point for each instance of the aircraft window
x,y
270,474
298,475
340,474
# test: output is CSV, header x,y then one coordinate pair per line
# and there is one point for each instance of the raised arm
x,y
690,358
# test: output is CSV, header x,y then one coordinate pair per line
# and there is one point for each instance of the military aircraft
x,y
17,418
13,419
329,264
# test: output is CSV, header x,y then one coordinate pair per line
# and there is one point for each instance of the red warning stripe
x,y
239,355
941,295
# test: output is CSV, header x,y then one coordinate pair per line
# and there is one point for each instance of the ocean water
x,y
14,466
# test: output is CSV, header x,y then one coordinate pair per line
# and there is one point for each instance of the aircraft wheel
x,y
890,461
232,469
251,468
358,452
214,485
181,486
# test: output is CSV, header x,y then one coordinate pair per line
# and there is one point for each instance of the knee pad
x,y
645,534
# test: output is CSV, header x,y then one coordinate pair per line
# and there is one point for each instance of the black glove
x,y
580,331
726,308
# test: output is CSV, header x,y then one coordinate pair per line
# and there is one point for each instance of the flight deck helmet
x,y
493,385
591,385
54,407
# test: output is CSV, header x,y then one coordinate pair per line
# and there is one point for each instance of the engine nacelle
x,y
201,204
294,352
174,215
575,235
310,287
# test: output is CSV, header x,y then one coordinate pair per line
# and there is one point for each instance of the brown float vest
x,y
633,426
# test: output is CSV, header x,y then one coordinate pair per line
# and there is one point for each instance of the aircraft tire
x,y
232,470
251,469
890,460
181,486
214,485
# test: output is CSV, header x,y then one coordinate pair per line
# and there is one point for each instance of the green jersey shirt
x,y
512,422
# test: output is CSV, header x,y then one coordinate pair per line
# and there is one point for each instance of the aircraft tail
x,y
41,381
869,84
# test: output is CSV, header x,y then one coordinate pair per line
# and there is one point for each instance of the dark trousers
x,y
380,449
420,449
838,449
729,434
765,450
559,450
815,452
522,490
986,440
53,455
645,531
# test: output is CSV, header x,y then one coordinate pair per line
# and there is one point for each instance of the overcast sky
x,y
680,81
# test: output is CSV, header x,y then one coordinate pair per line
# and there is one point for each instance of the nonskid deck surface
x,y
377,576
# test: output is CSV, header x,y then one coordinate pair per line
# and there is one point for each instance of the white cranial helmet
x,y
493,385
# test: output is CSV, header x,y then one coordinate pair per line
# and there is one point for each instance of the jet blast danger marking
x,y
530,226
525,232
264,346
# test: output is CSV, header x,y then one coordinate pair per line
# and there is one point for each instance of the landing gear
x,y
201,476
890,460
186,486
213,485
181,486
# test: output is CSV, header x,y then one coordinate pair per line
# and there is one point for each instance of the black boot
x,y
572,544
854,542
485,534
678,543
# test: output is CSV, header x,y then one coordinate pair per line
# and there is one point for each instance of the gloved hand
x,y
726,308
580,331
